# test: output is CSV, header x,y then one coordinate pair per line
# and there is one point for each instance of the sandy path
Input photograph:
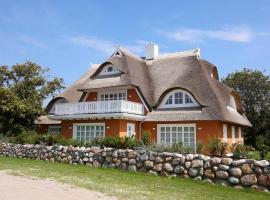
x,y
16,187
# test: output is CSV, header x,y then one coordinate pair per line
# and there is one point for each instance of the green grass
x,y
126,185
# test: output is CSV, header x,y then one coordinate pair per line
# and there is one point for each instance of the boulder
x,y
222,174
264,180
209,173
223,167
239,162
246,169
249,180
157,167
179,169
176,161
159,160
192,172
189,157
148,164
235,172
207,180
153,173
144,157
215,161
132,154
187,164
226,161
132,168
132,161
233,180
262,163
196,163
168,167
222,182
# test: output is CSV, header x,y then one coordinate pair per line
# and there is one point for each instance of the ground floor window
x,y
54,129
169,134
88,132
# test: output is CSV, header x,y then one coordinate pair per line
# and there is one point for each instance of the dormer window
x,y
109,70
178,98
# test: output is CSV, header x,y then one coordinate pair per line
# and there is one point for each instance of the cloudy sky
x,y
68,36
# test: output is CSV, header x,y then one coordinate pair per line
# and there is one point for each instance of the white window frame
x,y
132,126
116,92
233,134
54,127
105,71
173,105
239,134
225,133
74,134
177,125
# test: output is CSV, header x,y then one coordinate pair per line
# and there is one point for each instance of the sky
x,y
68,36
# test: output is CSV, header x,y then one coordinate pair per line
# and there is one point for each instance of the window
x,y
225,133
233,134
178,98
169,134
130,130
109,69
114,95
239,134
88,132
54,129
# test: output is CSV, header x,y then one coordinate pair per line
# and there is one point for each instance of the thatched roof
x,y
154,78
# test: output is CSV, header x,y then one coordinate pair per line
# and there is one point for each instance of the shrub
x,y
199,147
26,137
262,146
216,147
253,155
240,150
174,148
146,138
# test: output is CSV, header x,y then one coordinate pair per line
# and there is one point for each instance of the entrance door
x,y
130,130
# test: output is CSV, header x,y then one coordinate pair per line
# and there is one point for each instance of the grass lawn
x,y
125,185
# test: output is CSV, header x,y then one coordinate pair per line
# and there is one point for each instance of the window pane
x,y
169,100
178,98
188,99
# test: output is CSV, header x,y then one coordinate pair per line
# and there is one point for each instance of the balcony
x,y
96,109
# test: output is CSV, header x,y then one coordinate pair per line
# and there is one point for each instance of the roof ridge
x,y
187,53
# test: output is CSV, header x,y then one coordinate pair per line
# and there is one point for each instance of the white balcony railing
x,y
99,107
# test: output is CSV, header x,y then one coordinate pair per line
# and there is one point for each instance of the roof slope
x,y
154,78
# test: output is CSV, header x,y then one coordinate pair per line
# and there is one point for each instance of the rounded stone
x,y
153,172
262,163
258,170
148,164
246,169
235,172
207,180
132,162
157,167
239,162
176,161
179,169
223,167
144,157
132,168
192,172
215,161
187,164
189,157
159,160
234,180
249,180
207,164
209,173
168,167
132,154
226,161
222,174
197,163
222,182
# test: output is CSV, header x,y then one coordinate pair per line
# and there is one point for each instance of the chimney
x,y
151,51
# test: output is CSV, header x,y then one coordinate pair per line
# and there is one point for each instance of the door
x,y
130,130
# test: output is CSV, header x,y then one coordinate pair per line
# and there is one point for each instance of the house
x,y
175,97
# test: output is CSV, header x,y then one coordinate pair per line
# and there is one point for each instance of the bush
x,y
240,150
199,147
253,155
26,137
216,147
175,148
146,138
262,146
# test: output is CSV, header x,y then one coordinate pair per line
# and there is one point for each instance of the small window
x,y
109,70
178,98
240,134
130,130
54,129
113,96
233,134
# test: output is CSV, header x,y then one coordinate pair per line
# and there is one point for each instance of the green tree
x,y
254,88
23,88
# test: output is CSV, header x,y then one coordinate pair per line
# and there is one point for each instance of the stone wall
x,y
225,171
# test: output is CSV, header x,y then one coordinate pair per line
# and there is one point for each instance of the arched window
x,y
178,98
109,69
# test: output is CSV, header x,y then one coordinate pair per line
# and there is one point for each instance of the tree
x,y
254,89
23,88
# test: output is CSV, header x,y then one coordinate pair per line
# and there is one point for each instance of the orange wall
x,y
91,96
113,127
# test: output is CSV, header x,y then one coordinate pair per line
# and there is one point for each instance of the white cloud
x,y
240,34
106,46
31,41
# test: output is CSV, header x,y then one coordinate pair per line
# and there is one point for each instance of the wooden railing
x,y
96,107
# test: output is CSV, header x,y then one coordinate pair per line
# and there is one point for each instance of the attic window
x,y
178,98
109,69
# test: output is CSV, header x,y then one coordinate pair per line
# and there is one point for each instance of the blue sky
x,y
68,36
